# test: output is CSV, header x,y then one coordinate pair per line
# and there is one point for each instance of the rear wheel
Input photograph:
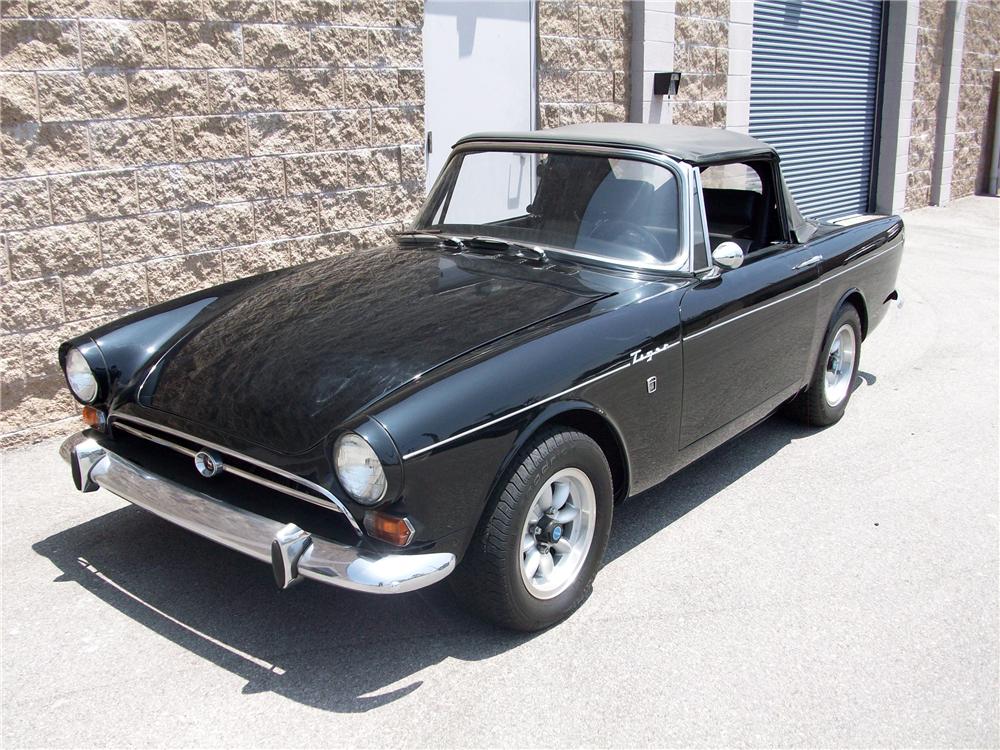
x,y
542,537
825,400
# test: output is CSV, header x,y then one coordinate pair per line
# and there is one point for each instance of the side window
x,y
731,177
740,205
702,256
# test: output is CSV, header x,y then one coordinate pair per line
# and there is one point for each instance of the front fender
x,y
127,346
447,490
460,432
589,419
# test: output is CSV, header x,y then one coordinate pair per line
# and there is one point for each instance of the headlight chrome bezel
x,y
81,379
352,441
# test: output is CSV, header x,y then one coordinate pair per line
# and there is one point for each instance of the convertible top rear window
x,y
613,208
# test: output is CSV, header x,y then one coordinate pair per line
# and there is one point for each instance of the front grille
x,y
236,465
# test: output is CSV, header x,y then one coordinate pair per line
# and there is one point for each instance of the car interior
x,y
618,216
606,212
629,210
741,205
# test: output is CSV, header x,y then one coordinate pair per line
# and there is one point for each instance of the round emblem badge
x,y
208,463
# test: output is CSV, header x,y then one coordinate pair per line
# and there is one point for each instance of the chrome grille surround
x,y
318,496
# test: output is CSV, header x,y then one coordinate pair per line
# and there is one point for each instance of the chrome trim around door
x,y
328,499
698,208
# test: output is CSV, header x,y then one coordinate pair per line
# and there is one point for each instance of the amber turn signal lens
x,y
93,417
391,529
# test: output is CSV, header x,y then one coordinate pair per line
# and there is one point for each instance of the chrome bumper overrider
x,y
292,552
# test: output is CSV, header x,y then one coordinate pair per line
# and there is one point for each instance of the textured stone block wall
x,y
701,53
149,149
980,56
582,61
926,100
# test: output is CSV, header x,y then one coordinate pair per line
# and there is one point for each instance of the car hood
x,y
282,362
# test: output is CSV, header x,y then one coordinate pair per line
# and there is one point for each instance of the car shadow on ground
x,y
644,515
328,648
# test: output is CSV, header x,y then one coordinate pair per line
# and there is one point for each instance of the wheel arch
x,y
855,297
591,421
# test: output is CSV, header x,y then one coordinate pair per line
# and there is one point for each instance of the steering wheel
x,y
622,232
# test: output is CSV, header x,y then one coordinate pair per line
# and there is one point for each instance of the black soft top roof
x,y
694,145
697,146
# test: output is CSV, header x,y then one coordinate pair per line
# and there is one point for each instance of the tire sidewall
x,y
583,454
846,315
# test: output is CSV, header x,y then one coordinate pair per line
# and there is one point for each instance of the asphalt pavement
x,y
796,588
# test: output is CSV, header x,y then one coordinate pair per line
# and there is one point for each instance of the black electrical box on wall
x,y
666,84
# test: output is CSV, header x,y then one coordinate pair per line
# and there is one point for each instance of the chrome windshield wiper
x,y
432,236
528,253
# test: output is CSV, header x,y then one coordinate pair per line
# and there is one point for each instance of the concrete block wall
x,y
931,29
583,61
701,53
693,37
740,65
651,52
980,57
148,149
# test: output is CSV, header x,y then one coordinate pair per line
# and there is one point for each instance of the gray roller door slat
x,y
813,95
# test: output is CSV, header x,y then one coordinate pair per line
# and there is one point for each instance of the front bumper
x,y
293,553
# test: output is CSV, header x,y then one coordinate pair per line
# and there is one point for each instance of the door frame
x,y
533,103
880,88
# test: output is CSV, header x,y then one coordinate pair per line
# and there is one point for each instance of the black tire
x,y
489,580
811,406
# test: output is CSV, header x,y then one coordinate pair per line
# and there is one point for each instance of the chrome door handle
x,y
806,263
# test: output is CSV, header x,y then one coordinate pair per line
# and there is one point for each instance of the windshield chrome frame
x,y
699,214
681,171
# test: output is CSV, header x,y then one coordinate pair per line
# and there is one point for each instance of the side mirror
x,y
728,255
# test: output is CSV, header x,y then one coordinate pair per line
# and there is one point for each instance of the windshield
x,y
615,209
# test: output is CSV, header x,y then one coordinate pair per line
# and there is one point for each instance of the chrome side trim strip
x,y
514,413
766,305
868,246
523,409
788,296
856,265
333,503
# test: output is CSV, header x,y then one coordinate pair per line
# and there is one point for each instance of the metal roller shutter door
x,y
813,96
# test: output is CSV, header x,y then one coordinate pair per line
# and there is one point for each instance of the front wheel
x,y
542,537
829,391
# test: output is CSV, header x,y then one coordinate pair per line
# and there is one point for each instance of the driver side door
x,y
747,337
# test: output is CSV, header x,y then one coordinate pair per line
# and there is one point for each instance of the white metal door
x,y
479,68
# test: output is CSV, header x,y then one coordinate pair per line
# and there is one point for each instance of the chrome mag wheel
x,y
840,366
557,533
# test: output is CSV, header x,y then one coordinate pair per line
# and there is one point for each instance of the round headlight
x,y
80,377
358,469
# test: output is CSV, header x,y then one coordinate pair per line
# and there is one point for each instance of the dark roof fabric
x,y
683,142
694,145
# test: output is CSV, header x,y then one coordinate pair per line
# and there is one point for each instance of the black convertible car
x,y
576,314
